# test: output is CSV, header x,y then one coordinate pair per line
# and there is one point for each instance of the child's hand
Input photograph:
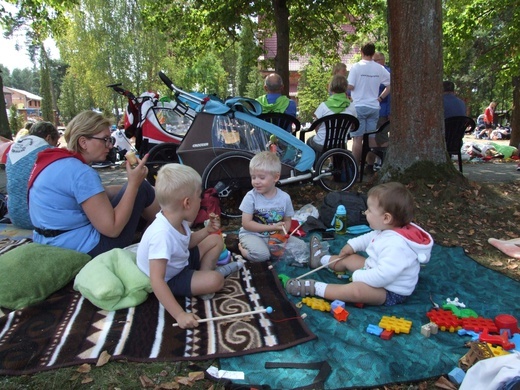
x,y
346,251
279,227
213,224
187,320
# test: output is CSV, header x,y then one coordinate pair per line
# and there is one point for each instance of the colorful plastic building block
x,y
501,340
455,302
386,334
337,303
374,329
429,329
456,375
445,320
516,341
283,278
460,313
506,321
316,303
479,324
464,332
398,325
497,350
340,313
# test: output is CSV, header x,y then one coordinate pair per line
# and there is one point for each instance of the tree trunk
x,y
515,116
281,61
417,124
5,131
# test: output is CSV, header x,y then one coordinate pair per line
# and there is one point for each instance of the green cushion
x,y
112,281
32,272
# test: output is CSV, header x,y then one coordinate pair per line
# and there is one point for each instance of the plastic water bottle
x,y
340,220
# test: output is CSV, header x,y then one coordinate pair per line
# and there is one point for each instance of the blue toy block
x,y
456,375
374,329
337,303
464,332
516,341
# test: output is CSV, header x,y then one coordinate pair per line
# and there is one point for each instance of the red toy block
x,y
445,319
479,324
340,313
501,340
386,334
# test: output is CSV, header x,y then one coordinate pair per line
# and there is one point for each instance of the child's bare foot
x,y
508,247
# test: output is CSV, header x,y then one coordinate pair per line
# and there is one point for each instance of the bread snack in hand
x,y
130,157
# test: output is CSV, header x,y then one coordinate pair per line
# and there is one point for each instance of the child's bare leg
x,y
210,249
509,247
206,282
349,263
356,292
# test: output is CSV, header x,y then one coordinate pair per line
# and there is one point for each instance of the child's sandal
x,y
300,287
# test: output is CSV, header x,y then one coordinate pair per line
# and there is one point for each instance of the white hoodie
x,y
394,257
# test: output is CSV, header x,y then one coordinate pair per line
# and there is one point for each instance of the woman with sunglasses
x,y
68,204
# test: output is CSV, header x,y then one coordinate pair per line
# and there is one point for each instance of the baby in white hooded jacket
x,y
396,248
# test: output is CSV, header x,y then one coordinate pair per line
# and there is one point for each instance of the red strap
x,y
48,156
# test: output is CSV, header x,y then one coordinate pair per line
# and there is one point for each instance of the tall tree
x,y
4,122
417,121
45,89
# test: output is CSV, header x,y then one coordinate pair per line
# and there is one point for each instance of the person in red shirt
x,y
489,120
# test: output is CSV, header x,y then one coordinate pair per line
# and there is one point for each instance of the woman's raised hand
x,y
137,174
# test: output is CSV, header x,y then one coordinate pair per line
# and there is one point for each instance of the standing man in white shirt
x,y
363,82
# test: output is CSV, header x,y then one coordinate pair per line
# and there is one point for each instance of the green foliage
x,y
255,84
481,50
45,91
15,121
247,60
312,88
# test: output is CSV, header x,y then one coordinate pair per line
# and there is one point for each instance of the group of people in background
x,y
363,93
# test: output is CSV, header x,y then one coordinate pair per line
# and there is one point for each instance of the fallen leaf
x,y
163,373
183,380
86,380
103,359
512,266
497,264
443,383
146,382
74,377
84,368
168,386
196,376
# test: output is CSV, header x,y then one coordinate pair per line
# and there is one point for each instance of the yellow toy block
x,y
398,325
317,303
497,350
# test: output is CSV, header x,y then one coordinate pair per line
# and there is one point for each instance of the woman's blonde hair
x,y
175,182
85,124
395,199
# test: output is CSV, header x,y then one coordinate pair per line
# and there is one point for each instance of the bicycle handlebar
x,y
121,91
166,80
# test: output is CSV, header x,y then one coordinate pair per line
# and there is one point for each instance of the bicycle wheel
x,y
158,156
229,175
337,170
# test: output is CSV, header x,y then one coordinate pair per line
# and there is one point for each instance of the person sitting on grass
x,y
68,204
396,248
266,209
20,162
179,262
